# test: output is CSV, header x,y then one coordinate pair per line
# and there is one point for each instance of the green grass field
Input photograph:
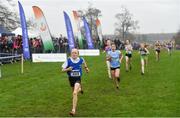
x,y
44,91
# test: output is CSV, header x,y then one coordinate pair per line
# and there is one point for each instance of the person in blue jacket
x,y
73,67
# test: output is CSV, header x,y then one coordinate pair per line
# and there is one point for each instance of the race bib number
x,y
143,53
129,52
75,73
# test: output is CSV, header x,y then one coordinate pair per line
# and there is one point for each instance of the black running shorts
x,y
73,80
115,68
158,51
129,55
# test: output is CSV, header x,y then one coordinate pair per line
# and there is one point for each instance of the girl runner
x,y
107,49
143,52
115,57
169,47
158,50
74,70
128,49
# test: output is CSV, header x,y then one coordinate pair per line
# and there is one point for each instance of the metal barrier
x,y
10,58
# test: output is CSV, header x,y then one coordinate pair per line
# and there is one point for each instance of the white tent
x,y
31,33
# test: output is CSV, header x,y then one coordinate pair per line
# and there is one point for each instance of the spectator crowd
x,y
13,44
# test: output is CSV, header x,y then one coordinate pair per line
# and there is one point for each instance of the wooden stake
x,y
22,66
0,70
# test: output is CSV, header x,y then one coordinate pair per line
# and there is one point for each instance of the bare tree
x,y
91,14
177,37
125,24
8,19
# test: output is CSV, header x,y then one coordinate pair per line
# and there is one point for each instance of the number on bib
x,y
75,73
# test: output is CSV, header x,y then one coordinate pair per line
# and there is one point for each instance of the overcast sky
x,y
154,16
